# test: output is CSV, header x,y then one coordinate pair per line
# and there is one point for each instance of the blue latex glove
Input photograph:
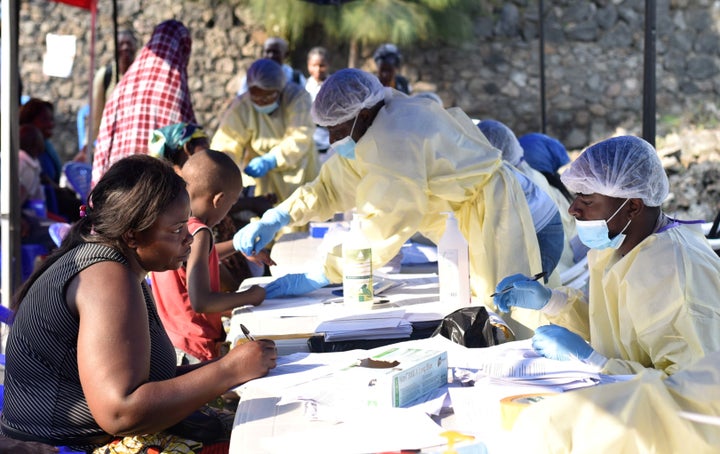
x,y
258,167
295,284
556,342
524,292
255,236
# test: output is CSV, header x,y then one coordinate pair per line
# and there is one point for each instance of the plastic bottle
x,y
357,267
453,265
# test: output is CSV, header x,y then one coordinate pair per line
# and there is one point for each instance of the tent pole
x,y
541,22
115,40
9,193
89,149
649,74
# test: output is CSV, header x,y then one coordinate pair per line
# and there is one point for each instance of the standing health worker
x,y
402,162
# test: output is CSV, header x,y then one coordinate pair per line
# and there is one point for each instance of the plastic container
x,y
357,267
454,265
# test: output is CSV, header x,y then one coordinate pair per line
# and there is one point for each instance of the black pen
x,y
246,332
508,288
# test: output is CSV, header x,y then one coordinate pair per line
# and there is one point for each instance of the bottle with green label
x,y
357,267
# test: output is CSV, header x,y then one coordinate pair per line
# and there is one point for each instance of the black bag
x,y
204,425
473,327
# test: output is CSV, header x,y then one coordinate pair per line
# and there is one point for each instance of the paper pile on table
x,y
375,324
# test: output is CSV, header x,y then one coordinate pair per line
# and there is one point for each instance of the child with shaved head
x,y
189,299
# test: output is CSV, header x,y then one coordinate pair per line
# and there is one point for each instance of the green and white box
x,y
396,376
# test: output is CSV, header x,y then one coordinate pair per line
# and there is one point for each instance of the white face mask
x,y
268,109
596,235
345,147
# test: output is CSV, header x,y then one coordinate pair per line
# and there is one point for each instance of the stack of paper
x,y
525,367
376,324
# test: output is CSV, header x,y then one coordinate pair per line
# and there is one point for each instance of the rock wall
x,y
593,62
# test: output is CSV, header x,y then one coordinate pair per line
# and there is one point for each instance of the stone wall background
x,y
594,62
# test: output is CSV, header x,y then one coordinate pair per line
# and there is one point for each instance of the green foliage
x,y
371,22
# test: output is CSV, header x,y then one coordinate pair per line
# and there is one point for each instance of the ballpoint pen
x,y
246,332
510,287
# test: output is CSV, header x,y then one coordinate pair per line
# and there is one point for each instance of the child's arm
x,y
225,249
201,297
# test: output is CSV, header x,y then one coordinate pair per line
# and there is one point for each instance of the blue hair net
x,y
266,74
543,153
502,138
622,167
344,94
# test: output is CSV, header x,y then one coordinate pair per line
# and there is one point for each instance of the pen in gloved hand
x,y
246,332
507,289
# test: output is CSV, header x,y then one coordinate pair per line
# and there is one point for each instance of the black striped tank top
x,y
44,400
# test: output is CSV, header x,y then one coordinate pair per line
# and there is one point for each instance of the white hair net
x,y
622,167
266,74
344,94
502,138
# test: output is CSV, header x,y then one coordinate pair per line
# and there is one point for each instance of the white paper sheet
x,y
58,60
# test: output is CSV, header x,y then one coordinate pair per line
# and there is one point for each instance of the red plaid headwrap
x,y
153,93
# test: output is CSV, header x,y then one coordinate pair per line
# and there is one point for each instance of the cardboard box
x,y
397,376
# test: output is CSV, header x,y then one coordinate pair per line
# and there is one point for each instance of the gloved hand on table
x,y
524,292
295,284
557,342
258,167
255,236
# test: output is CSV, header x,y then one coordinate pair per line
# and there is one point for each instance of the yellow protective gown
x,y
287,133
635,417
568,221
415,162
656,307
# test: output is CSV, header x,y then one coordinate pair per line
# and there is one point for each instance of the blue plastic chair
x,y
79,176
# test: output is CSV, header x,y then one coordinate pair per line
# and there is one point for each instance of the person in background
x,y
652,278
153,93
268,132
553,234
87,335
108,76
388,61
317,65
32,194
177,142
547,155
40,113
276,49
189,299
403,162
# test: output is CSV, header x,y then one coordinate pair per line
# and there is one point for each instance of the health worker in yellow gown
x,y
268,132
654,281
402,162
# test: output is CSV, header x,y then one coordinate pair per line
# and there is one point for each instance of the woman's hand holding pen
x,y
521,291
252,359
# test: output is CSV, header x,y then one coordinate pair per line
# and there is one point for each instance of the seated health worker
x,y
89,364
545,213
653,280
402,162
268,132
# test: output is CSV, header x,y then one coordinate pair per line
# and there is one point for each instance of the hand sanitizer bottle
x,y
357,267
453,265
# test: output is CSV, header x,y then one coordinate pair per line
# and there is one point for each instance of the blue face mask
x,y
268,109
595,234
345,147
